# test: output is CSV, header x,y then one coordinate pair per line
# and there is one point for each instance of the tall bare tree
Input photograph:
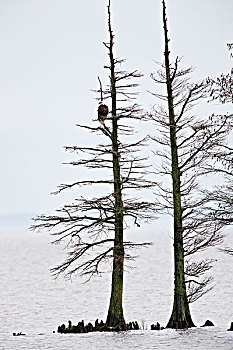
x,y
93,228
184,142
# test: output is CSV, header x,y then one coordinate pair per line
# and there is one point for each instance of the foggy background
x,y
51,53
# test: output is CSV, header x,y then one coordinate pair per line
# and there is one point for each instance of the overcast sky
x,y
51,53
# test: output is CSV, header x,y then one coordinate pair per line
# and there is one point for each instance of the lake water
x,y
33,303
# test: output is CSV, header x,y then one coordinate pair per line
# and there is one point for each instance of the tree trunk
x,y
181,317
115,312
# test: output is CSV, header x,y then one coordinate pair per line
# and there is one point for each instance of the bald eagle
x,y
102,112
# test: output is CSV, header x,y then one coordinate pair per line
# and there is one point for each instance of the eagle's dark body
x,y
102,113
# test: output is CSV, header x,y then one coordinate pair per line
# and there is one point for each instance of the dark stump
x,y
155,327
208,323
99,326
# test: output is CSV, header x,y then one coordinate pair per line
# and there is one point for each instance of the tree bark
x,y
180,317
115,312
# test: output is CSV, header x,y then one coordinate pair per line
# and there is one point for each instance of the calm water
x,y
33,303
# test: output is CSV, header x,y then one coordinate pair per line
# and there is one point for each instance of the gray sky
x,y
51,53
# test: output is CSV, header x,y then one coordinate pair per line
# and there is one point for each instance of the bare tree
x,y
221,198
222,88
93,228
184,143
222,161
